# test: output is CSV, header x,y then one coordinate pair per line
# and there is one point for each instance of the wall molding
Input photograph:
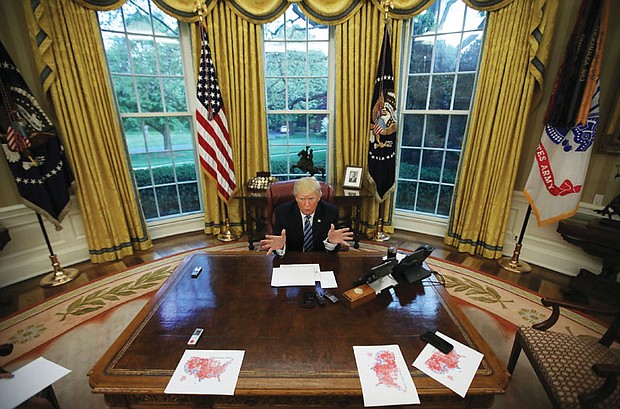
x,y
27,256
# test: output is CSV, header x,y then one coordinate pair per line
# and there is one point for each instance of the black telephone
x,y
411,268
377,272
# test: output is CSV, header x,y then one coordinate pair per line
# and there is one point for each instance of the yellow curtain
x,y
73,71
236,46
509,82
358,46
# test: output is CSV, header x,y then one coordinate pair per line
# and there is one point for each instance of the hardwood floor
x,y
27,293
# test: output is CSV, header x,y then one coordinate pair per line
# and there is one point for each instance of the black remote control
x,y
438,342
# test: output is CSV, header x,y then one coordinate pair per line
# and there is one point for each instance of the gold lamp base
x,y
60,276
227,235
513,264
379,235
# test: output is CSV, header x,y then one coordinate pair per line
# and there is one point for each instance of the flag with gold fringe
x,y
555,183
32,147
382,144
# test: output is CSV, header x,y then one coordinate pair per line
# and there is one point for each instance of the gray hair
x,y
306,186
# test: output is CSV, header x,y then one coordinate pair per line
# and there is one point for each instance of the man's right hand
x,y
272,242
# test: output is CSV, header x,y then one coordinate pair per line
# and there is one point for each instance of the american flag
x,y
213,138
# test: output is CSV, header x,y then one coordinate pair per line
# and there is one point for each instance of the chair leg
x,y
514,354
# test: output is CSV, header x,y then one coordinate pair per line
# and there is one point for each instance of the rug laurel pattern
x,y
38,325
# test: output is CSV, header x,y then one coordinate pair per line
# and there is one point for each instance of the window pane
x,y
125,93
297,93
446,51
118,61
161,163
409,163
432,162
445,197
296,61
169,58
317,93
413,126
441,92
143,54
451,16
276,93
181,133
406,195
474,20
436,127
450,167
274,59
185,168
296,27
457,131
417,91
470,51
427,197
190,201
167,200
318,54
464,91
149,206
174,90
149,94
426,21
137,17
421,55
164,24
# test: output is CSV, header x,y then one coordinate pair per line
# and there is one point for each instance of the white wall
x,y
27,256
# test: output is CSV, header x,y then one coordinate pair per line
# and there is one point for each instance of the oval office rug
x,y
75,328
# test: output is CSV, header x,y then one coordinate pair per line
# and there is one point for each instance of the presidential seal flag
x,y
32,147
382,148
553,188
213,139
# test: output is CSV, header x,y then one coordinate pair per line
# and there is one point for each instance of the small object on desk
x,y
308,300
439,343
196,272
332,297
359,295
320,299
195,336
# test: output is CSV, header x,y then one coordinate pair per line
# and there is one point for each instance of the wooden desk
x,y
294,356
255,202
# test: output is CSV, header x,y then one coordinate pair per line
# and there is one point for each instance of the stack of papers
x,y
302,275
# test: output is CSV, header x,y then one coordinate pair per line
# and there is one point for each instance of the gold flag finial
x,y
199,7
387,5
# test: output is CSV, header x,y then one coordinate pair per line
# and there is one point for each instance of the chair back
x,y
282,192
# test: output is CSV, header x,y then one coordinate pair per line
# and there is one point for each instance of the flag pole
x,y
513,264
227,235
59,276
379,235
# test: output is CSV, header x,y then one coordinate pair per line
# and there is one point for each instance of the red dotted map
x,y
386,370
205,368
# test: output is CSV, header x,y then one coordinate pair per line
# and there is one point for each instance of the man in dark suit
x,y
306,209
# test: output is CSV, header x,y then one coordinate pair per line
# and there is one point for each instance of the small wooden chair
x,y
576,372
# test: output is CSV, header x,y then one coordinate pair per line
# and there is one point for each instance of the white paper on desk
x,y
206,372
455,370
29,380
384,376
294,275
328,279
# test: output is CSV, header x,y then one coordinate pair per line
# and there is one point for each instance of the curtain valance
x,y
329,12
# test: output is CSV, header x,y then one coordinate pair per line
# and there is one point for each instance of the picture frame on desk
x,y
352,177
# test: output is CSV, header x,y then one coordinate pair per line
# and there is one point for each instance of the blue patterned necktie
x,y
308,239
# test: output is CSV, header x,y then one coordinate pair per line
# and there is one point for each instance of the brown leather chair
x,y
282,192
576,371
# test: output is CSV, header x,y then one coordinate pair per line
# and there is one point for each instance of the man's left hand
x,y
339,236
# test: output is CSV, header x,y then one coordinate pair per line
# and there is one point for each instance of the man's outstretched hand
x,y
272,242
339,236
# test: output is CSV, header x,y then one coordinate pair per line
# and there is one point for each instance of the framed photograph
x,y
353,177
